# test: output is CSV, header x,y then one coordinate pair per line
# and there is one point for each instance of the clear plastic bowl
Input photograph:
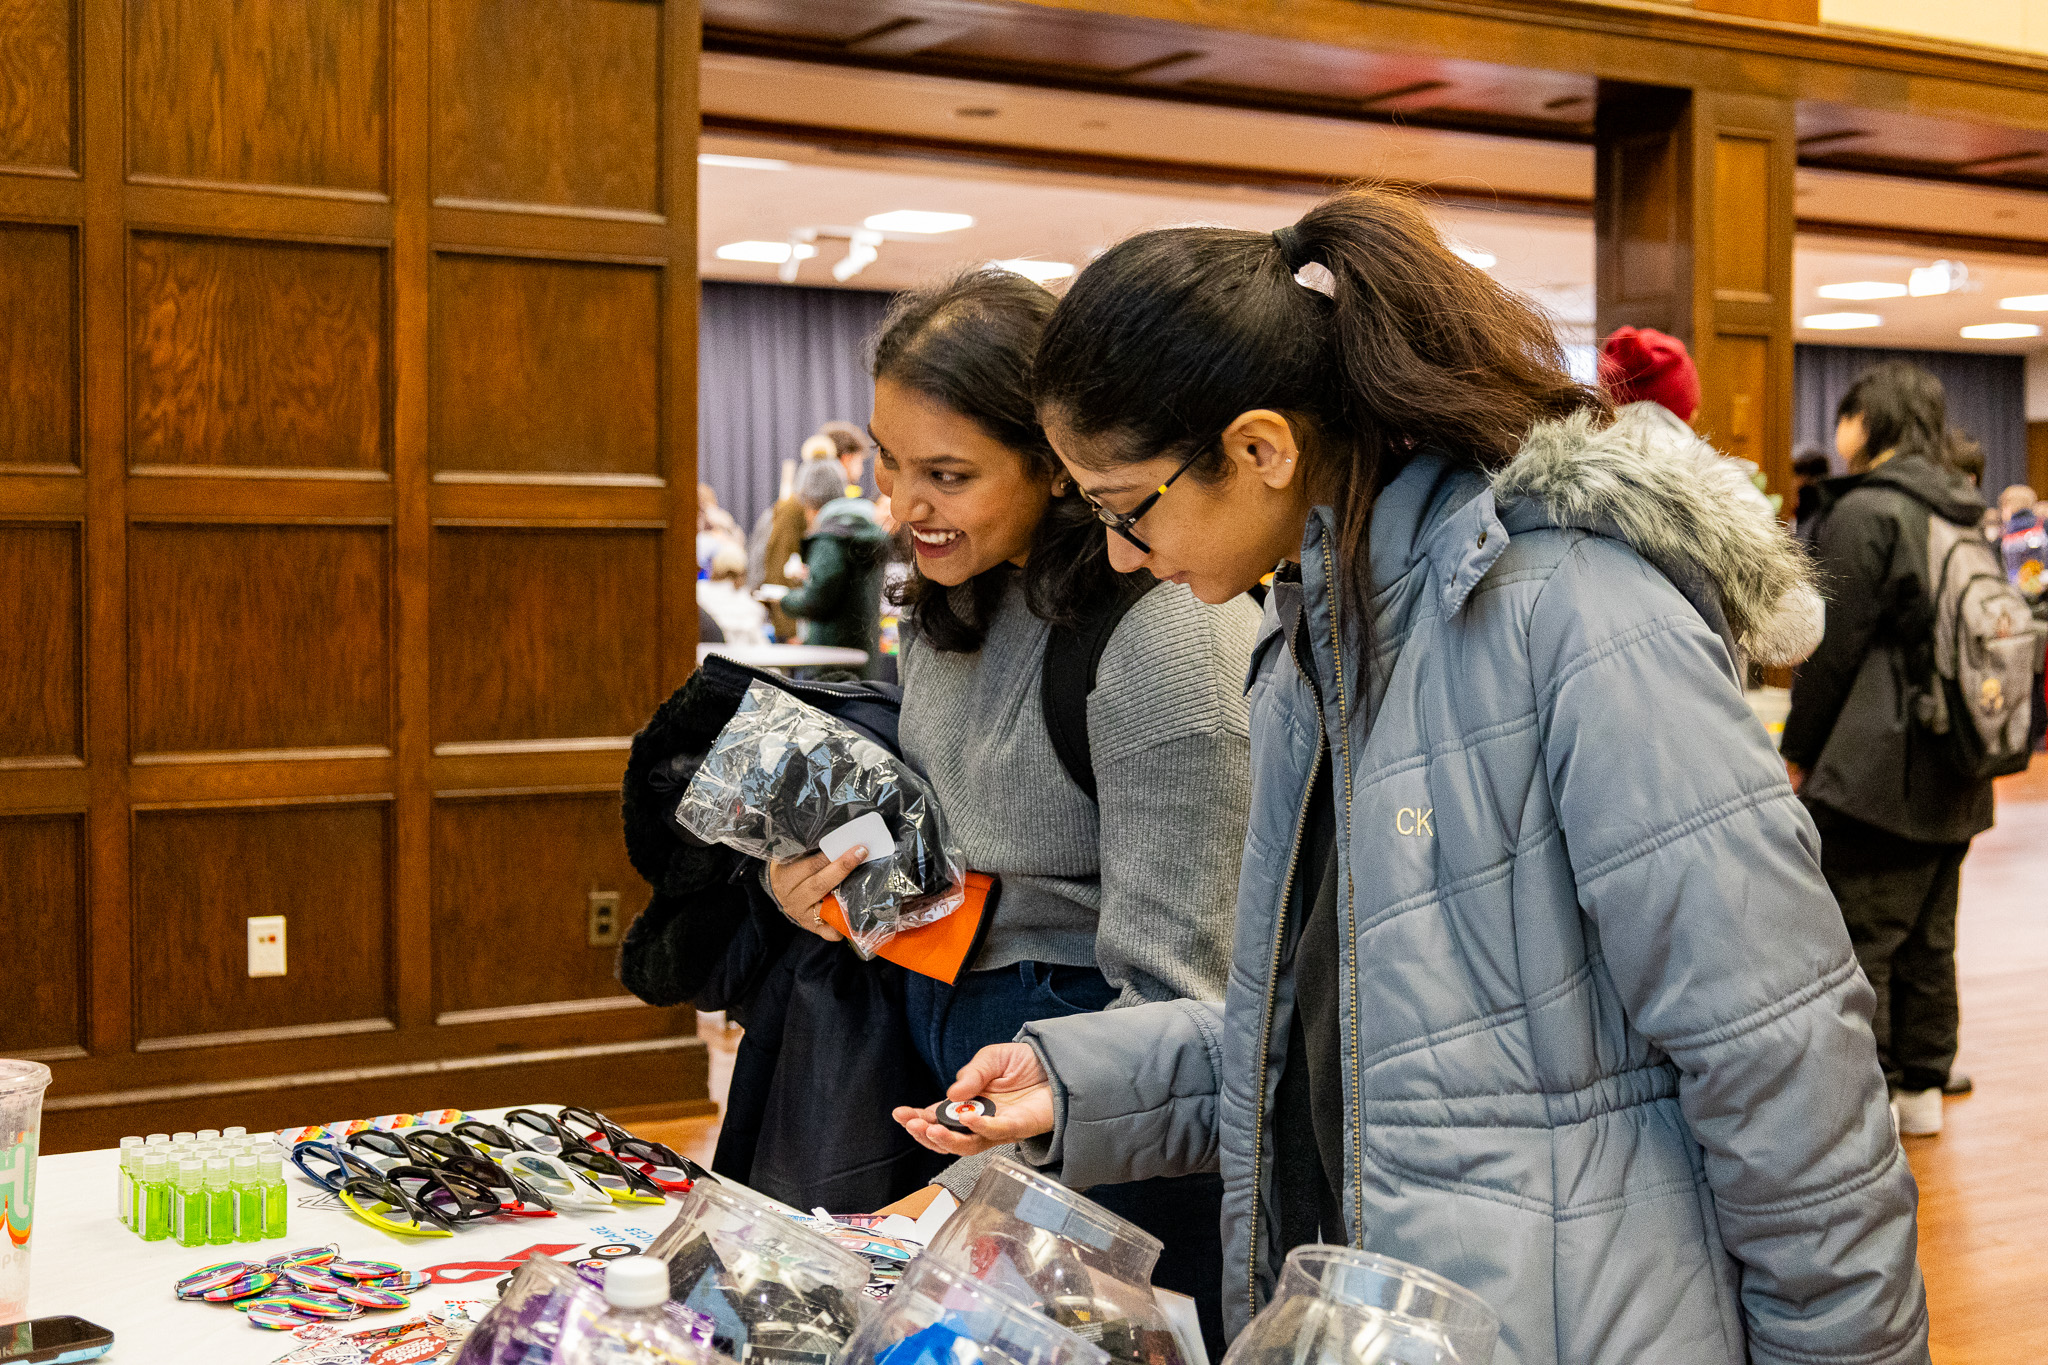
x,y
940,1315
1069,1258
772,1287
1336,1306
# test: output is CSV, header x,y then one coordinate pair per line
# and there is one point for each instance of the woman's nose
x,y
1125,557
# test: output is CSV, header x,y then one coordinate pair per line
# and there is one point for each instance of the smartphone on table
x,y
53,1341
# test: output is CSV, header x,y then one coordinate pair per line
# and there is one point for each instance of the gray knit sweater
x,y
1143,886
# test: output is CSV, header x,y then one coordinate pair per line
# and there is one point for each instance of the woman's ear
x,y
1261,444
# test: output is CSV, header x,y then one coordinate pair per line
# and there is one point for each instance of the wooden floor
x,y
1984,1181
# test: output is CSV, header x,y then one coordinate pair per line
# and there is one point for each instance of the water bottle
x,y
634,1330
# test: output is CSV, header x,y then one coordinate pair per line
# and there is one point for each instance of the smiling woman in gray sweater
x,y
1122,899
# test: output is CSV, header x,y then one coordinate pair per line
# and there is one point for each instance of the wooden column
x,y
1694,224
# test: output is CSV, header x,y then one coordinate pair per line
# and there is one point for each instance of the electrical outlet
x,y
266,945
604,919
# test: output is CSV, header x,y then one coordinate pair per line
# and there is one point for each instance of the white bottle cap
x,y
153,1164
183,1137
159,1139
270,1162
208,1134
217,1171
636,1282
235,1132
245,1169
190,1175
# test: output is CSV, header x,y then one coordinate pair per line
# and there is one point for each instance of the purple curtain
x,y
1987,397
774,361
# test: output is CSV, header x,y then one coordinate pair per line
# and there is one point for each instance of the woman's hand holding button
x,y
800,886
1009,1074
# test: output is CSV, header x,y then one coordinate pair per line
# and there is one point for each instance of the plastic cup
x,y
1337,1306
21,1124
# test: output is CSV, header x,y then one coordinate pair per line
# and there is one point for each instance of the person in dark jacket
x,y
845,549
1895,816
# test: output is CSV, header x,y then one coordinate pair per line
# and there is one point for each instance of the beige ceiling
x,y
1052,215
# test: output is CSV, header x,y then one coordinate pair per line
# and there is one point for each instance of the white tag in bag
x,y
870,829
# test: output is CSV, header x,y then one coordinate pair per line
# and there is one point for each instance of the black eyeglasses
x,y
329,1164
1122,522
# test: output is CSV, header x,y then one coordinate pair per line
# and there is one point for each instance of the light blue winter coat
x,y
1607,1057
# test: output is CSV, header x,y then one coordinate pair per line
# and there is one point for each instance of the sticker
x,y
612,1251
955,1114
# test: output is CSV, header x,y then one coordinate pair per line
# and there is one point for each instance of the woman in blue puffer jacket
x,y
1536,980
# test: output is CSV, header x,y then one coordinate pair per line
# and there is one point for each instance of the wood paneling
x,y
544,634
224,377
38,338
260,92
512,880
573,120
546,365
42,903
37,106
258,637
256,354
41,621
200,874
2037,457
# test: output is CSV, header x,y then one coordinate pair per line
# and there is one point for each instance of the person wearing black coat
x,y
827,1052
1895,815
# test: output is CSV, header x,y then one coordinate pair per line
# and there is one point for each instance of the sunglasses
x,y
385,1205
329,1165
650,1158
564,1185
543,1132
615,1177
446,1152
1123,522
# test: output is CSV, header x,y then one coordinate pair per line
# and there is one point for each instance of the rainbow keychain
x,y
318,1285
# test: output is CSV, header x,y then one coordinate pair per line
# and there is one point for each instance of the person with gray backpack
x,y
1918,696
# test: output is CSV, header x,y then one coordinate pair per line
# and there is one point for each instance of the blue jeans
x,y
949,1024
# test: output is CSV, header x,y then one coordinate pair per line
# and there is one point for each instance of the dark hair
x,y
1964,454
846,438
1167,337
1903,409
1811,463
967,344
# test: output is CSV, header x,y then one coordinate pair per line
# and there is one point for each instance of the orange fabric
x,y
938,950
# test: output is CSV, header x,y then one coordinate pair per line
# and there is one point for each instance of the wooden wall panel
x,y
256,354
42,662
512,880
258,637
38,337
263,92
199,874
544,634
42,897
573,120
38,106
546,365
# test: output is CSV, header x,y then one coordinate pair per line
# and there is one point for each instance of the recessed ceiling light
x,y
1862,289
741,163
2026,303
1841,322
1943,277
1472,255
764,253
2001,331
918,220
1044,272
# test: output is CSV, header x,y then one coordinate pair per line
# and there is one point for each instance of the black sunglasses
x,y
1123,522
445,1152
451,1197
543,1127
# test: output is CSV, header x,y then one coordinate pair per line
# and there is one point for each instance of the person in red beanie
x,y
1643,365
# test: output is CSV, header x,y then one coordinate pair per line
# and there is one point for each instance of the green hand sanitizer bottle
x,y
124,1181
156,1195
189,1222
248,1200
270,1175
220,1203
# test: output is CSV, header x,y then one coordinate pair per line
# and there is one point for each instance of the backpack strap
x,y
1073,654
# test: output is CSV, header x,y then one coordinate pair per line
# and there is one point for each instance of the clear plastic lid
x,y
1337,1306
158,1139
155,1163
235,1132
1069,1258
216,1170
191,1174
770,1285
209,1134
244,1167
270,1163
23,1077
184,1137
940,1315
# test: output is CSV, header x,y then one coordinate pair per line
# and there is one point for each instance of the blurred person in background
x,y
844,549
852,446
715,528
781,535
2023,540
1652,375
1895,815
723,594
1809,468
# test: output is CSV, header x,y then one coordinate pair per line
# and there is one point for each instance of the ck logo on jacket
x,y
1414,821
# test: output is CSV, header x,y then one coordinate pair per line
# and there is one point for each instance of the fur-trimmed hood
x,y
1645,479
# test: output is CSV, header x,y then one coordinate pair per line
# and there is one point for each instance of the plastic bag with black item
x,y
783,774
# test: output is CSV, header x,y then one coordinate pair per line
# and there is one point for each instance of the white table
x,y
85,1262
787,656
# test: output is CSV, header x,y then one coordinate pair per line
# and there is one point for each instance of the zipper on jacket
x,y
1251,1294
1350,904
